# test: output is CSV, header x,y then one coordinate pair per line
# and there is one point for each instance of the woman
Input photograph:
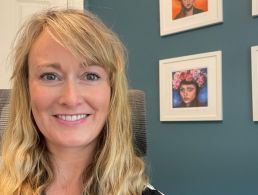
x,y
186,87
188,9
66,134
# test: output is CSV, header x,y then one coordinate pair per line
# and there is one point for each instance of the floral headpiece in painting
x,y
196,75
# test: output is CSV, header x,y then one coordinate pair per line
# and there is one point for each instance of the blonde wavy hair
x,y
25,167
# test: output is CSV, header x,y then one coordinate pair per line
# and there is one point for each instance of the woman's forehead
x,y
188,85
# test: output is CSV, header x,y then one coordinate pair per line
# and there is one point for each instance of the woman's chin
x,y
187,102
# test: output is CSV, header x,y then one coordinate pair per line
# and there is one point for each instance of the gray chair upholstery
x,y
4,103
137,103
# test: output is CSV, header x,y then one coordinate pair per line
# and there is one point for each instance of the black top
x,y
150,190
181,14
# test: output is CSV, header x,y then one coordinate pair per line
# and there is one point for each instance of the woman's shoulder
x,y
150,190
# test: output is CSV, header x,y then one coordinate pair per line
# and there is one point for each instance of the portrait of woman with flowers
x,y
189,88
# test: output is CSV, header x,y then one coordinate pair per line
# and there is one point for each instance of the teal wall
x,y
194,158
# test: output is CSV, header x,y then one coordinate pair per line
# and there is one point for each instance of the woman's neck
x,y
65,186
69,166
188,12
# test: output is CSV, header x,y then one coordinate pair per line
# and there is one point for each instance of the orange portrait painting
x,y
184,8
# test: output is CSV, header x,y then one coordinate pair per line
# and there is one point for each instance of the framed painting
x,y
181,15
254,61
254,7
190,88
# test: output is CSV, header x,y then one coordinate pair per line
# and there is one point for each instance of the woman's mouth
x,y
72,117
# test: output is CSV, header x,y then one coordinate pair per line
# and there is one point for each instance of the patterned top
x,y
150,190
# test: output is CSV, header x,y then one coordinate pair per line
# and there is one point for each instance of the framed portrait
x,y
254,61
254,7
190,88
182,15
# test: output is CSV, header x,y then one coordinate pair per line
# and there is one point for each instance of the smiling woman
x,y
69,101
66,134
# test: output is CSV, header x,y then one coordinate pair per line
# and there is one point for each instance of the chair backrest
x,y
136,101
4,103
138,108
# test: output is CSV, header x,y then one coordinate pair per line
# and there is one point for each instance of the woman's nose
x,y
70,94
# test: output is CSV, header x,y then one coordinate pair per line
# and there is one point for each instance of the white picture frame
x,y
254,7
254,62
169,25
212,63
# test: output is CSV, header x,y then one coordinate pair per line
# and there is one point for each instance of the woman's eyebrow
x,y
56,66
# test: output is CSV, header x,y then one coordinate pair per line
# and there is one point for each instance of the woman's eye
x,y
182,89
91,76
49,77
189,89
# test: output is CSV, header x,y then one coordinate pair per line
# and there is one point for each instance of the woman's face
x,y
187,92
70,102
187,4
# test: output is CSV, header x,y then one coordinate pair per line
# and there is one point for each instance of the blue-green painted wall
x,y
194,158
